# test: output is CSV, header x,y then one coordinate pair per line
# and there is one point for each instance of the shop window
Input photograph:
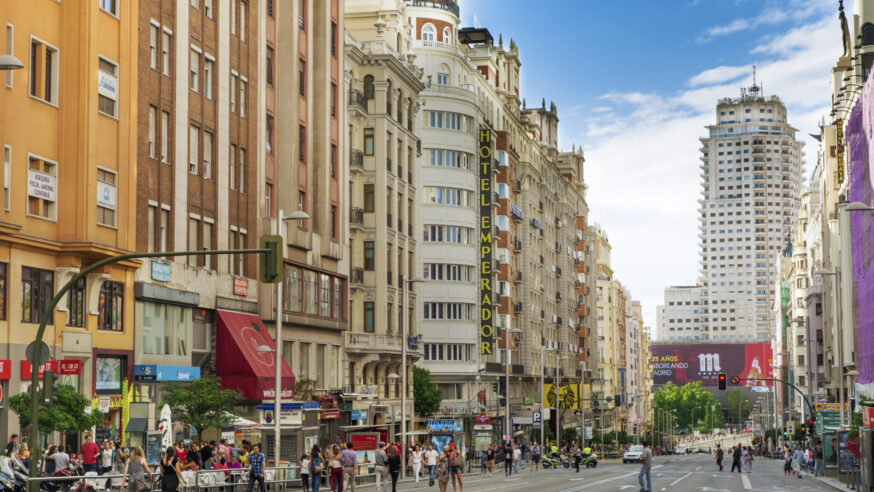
x,y
109,373
110,312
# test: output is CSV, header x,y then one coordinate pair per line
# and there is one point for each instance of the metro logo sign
x,y
486,328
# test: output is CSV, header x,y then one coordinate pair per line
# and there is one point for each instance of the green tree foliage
x,y
690,404
203,403
737,405
66,413
425,393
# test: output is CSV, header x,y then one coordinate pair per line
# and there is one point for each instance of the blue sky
x,y
635,82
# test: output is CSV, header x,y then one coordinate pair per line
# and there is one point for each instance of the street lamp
x,y
404,342
9,62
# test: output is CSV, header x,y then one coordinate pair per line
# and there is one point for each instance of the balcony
x,y
356,276
517,279
388,220
357,101
356,160
356,218
388,164
444,90
517,245
517,307
372,343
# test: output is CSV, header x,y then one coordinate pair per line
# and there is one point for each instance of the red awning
x,y
240,366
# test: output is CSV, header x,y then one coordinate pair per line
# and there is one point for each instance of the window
x,y
243,97
107,197
333,39
368,317
76,304
368,255
207,8
165,327
368,141
428,32
194,78
193,226
107,87
208,69
232,167
368,198
368,86
270,8
269,65
43,71
207,243
110,312
153,46
268,198
442,79
192,149
301,142
269,132
194,3
333,99
150,228
152,115
333,222
325,295
243,6
233,93
242,165
42,200
165,229
10,42
447,35
310,291
302,11
7,176
110,6
207,155
338,299
233,16
292,288
37,290
165,136
333,160
301,78
165,53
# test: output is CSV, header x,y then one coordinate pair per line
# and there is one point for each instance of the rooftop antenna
x,y
754,90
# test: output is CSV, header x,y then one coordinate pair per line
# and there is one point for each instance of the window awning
x,y
239,365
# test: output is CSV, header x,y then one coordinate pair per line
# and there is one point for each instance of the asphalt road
x,y
694,473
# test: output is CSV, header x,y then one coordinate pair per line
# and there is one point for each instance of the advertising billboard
x,y
485,241
681,363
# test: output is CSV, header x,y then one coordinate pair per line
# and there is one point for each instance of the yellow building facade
x,y
68,142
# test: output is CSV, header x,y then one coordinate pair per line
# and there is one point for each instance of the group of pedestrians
x,y
800,459
741,458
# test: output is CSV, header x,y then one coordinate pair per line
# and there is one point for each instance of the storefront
x,y
299,427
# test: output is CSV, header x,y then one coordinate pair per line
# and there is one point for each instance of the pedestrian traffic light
x,y
722,381
271,263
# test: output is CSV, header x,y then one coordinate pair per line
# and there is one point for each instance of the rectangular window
x,y
301,77
338,299
333,160
193,226
333,99
232,166
233,16
154,32
7,176
111,307
292,289
233,93
268,196
150,228
242,166
152,115
165,229
269,132
368,141
333,39
165,136
301,143
241,259
107,86
368,255
270,8
43,71
368,317
320,366
310,290
243,7
194,78
165,327
107,197
10,44
207,155
207,244
208,69
304,361
243,97
325,295
110,6
333,222
42,201
76,304
269,66
207,8
37,290
368,198
193,134
195,4
165,53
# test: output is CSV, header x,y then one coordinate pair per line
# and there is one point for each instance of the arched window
x,y
388,98
429,33
867,34
400,109
368,87
410,110
447,35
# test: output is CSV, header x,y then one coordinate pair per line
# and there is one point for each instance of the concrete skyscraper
x,y
751,174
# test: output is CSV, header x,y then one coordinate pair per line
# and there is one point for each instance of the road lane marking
x,y
600,482
746,482
677,480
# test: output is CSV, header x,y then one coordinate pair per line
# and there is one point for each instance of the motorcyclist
x,y
587,451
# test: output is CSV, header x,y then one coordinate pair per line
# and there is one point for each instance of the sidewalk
x,y
831,482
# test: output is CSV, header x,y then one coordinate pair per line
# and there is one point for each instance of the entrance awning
x,y
239,365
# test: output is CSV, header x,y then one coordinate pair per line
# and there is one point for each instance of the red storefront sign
x,y
5,369
868,414
71,367
25,368
65,367
241,286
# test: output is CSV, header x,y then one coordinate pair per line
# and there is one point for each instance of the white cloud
x,y
775,12
643,162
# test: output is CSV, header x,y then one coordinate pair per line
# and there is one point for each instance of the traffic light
x,y
722,381
811,426
803,429
272,265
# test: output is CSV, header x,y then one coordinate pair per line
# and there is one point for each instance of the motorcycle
x,y
73,469
591,461
553,462
13,474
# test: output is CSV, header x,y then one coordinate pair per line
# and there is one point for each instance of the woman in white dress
x,y
746,465
416,462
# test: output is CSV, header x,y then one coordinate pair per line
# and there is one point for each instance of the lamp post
x,y
9,62
543,350
404,343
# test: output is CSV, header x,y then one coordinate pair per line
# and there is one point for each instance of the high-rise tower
x,y
751,176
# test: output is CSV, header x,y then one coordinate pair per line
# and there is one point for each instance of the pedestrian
x,y
61,459
106,461
256,468
137,470
517,458
645,468
48,465
431,461
317,463
171,471
745,466
305,472
535,456
381,467
336,470
394,467
483,462
735,459
490,458
817,460
798,459
89,452
575,451
416,462
456,466
442,472
12,446
720,453
508,459
349,460
787,460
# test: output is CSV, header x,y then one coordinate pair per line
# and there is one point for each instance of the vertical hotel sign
x,y
486,328
839,150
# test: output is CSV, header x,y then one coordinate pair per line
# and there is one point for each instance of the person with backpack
x,y
394,467
456,466
535,456
720,453
508,459
735,459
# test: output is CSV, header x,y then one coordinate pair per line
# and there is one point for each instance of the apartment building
x,y
68,174
382,87
682,316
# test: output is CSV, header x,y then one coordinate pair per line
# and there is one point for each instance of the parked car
x,y
633,454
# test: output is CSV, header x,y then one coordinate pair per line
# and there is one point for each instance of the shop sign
x,y
51,365
482,418
5,369
160,271
369,390
287,416
42,185
868,413
241,286
482,427
444,425
106,195
103,405
152,372
413,343
528,400
485,240
107,85
517,212
828,407
523,420
71,367
536,223
330,414
461,409
359,415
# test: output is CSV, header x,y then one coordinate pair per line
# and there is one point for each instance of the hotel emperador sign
x,y
486,328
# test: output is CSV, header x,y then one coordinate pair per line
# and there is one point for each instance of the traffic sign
x,y
536,418
735,380
482,418
790,427
43,353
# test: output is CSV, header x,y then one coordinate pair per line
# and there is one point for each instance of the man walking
x,y
645,468
817,460
798,459
508,459
490,458
720,453
89,454
431,463
349,460
381,467
535,457
735,459
256,469
517,458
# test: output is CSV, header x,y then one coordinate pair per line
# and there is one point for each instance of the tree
x,y
688,403
202,403
737,405
427,397
66,413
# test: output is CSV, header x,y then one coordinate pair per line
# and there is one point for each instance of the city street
x,y
670,473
